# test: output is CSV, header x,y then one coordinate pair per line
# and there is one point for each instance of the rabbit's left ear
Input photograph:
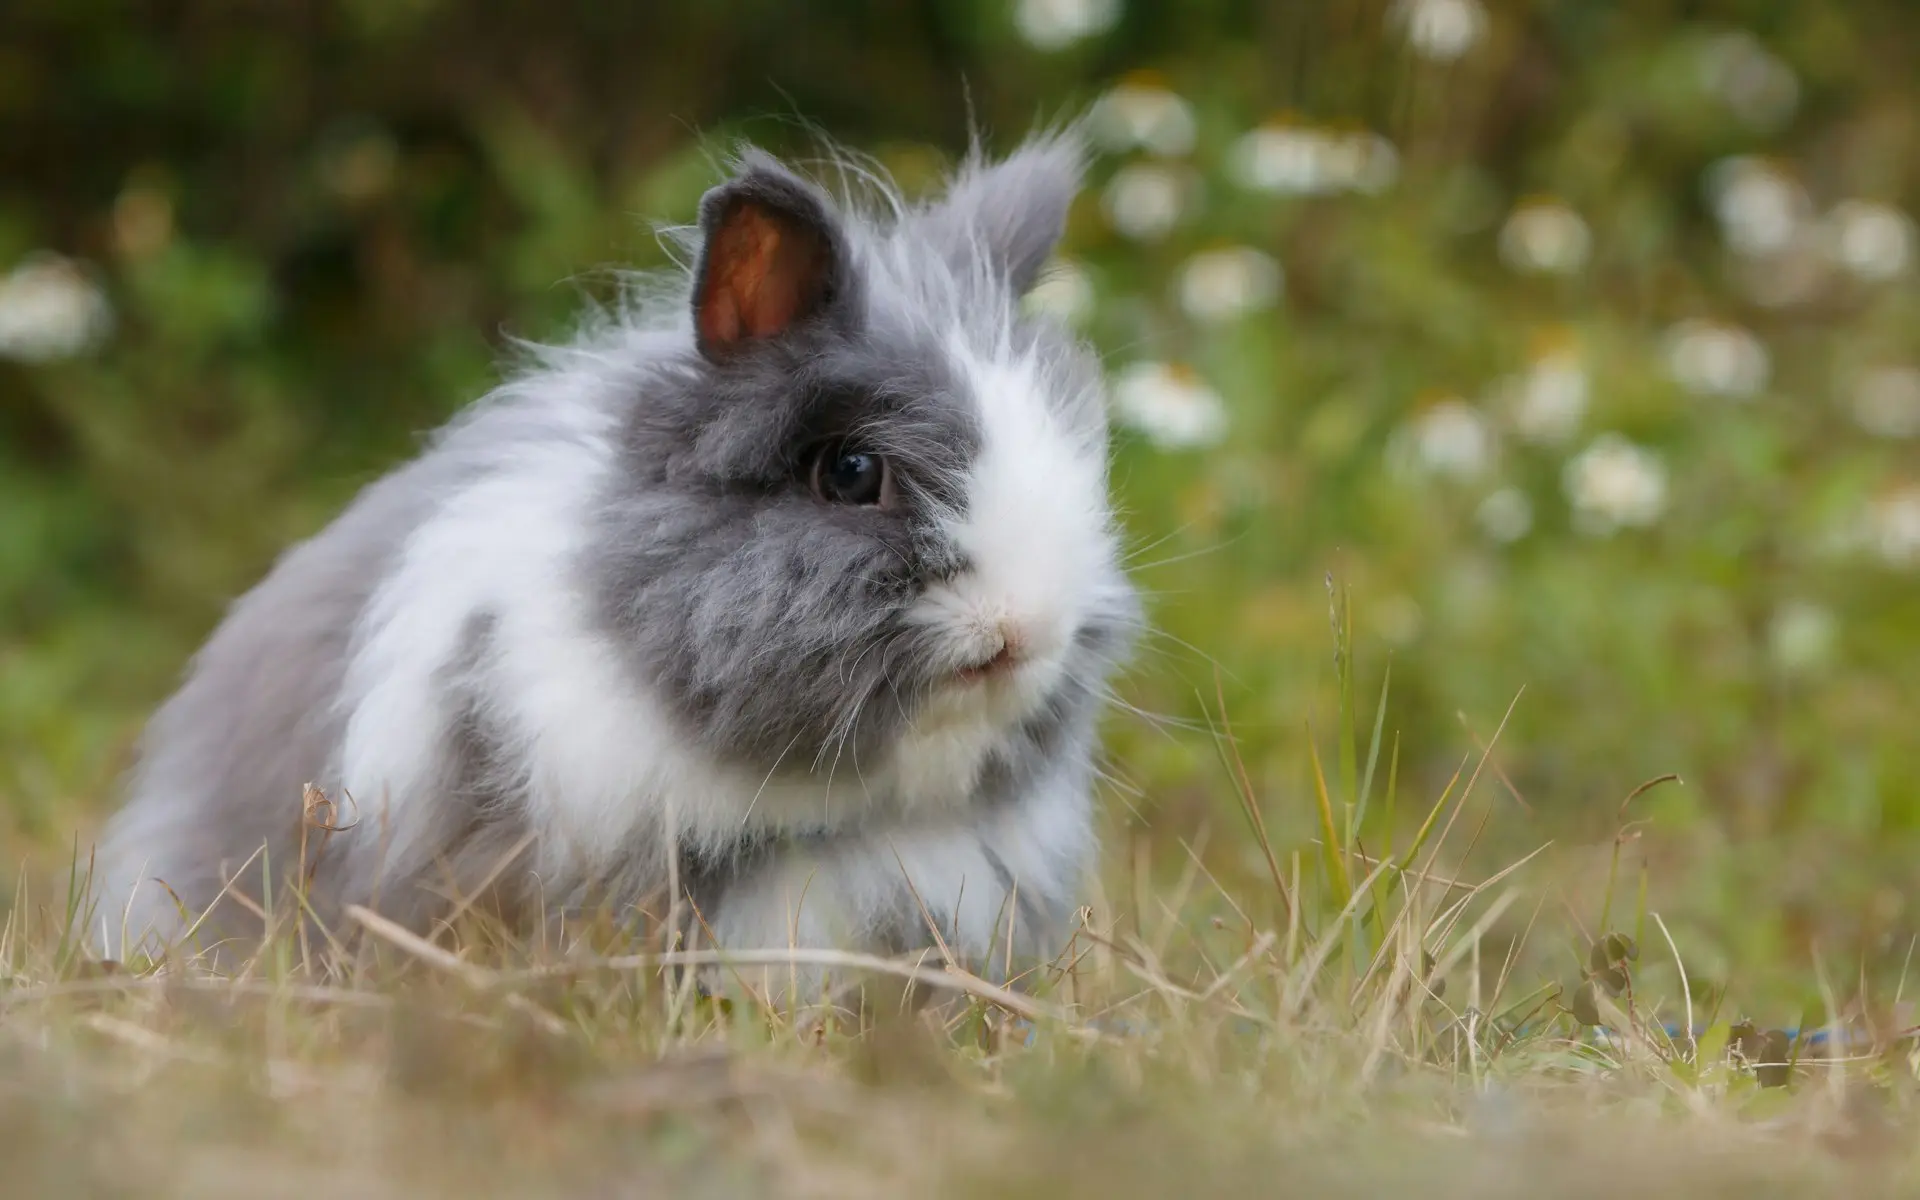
x,y
770,259
1014,211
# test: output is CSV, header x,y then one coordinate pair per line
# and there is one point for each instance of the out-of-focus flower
x,y
51,308
1144,201
1550,400
1801,636
1761,209
1442,30
1450,438
1057,24
1142,112
1065,292
1614,484
1712,358
1220,285
1171,404
1760,90
1506,515
1285,157
1893,528
1874,242
1545,237
1282,158
1766,218
1886,402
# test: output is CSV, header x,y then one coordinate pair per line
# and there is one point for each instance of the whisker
x,y
769,779
1178,558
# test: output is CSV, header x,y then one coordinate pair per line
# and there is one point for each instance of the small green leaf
x,y
1586,1004
1712,1045
1597,959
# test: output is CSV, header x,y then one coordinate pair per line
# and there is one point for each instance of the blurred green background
x,y
1577,339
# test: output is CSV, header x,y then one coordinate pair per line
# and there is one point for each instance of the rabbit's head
x,y
865,514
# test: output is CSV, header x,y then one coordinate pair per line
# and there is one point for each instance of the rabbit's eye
x,y
844,475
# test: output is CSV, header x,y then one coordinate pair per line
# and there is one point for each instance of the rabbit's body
x,y
623,627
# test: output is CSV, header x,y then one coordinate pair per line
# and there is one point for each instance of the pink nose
x,y
1004,659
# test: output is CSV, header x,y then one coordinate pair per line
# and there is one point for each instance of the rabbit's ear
x,y
770,259
1013,211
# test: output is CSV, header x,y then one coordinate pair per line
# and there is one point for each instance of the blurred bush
x,y
1578,340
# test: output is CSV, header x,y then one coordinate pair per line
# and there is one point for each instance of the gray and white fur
x,y
609,617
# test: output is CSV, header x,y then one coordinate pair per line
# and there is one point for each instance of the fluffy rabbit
x,y
794,587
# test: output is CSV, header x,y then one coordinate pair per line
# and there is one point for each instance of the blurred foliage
x,y
1535,304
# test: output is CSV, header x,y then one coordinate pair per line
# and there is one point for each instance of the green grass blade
x,y
1337,877
1373,749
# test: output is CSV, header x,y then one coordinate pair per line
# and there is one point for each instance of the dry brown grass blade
x,y
949,979
316,994
474,976
402,938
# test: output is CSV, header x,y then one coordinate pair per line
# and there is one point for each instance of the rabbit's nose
x,y
1007,650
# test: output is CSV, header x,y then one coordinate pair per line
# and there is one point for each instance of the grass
x,y
1353,1019
1342,943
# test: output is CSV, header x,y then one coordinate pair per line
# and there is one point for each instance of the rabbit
x,y
791,584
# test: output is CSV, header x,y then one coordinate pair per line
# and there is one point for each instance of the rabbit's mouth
x,y
997,665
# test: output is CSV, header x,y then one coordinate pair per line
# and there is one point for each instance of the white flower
x,y
1759,89
1281,158
1139,113
1872,241
1760,208
1716,359
1801,635
1550,400
1285,158
1169,403
1056,24
1506,515
1064,292
1894,528
1219,285
1545,236
1145,201
1442,30
1614,484
51,308
1450,438
1886,402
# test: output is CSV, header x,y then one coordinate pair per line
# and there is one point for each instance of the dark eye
x,y
845,475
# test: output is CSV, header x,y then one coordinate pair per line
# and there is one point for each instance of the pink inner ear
x,y
764,272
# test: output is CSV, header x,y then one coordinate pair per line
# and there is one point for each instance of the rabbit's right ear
x,y
770,259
